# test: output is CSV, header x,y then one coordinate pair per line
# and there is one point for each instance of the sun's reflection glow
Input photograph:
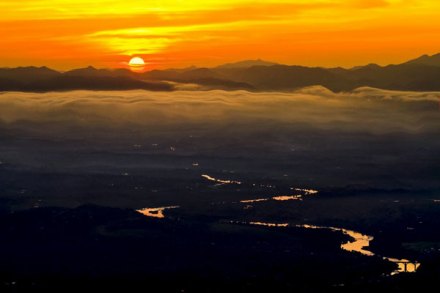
x,y
306,191
156,212
220,181
287,197
403,265
269,224
254,200
359,243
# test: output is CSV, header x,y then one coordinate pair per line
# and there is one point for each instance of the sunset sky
x,y
64,34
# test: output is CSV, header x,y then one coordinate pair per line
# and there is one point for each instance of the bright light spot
x,y
136,62
155,212
220,181
287,197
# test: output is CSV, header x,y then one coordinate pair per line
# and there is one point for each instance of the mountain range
x,y
420,74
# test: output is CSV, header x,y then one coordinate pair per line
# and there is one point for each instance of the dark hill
x,y
433,60
421,74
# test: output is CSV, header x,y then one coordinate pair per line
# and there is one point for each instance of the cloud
x,y
368,137
365,109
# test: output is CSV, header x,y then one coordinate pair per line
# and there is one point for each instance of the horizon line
x,y
215,66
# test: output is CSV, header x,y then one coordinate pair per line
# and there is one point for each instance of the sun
x,y
136,62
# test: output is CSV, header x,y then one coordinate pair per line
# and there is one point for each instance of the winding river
x,y
156,212
359,242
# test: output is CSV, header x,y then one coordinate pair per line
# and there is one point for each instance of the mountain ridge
x,y
431,60
419,74
247,64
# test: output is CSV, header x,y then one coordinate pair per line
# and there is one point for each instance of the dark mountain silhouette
x,y
93,72
420,74
27,74
247,64
370,66
206,77
433,60
283,77
41,79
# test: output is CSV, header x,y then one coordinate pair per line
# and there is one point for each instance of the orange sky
x,y
64,34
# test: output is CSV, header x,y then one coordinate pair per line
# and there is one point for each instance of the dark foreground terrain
x,y
60,249
231,179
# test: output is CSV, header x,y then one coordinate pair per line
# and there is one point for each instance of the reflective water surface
x,y
156,212
300,196
254,200
287,197
269,224
362,241
306,191
403,265
220,181
359,243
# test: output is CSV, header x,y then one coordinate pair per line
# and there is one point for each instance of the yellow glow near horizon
x,y
66,33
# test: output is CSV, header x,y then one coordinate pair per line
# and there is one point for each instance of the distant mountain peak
x,y
431,60
89,70
368,66
247,64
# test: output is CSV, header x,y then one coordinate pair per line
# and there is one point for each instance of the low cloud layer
x,y
72,146
364,109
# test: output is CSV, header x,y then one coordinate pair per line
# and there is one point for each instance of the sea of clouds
x,y
367,137
365,109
